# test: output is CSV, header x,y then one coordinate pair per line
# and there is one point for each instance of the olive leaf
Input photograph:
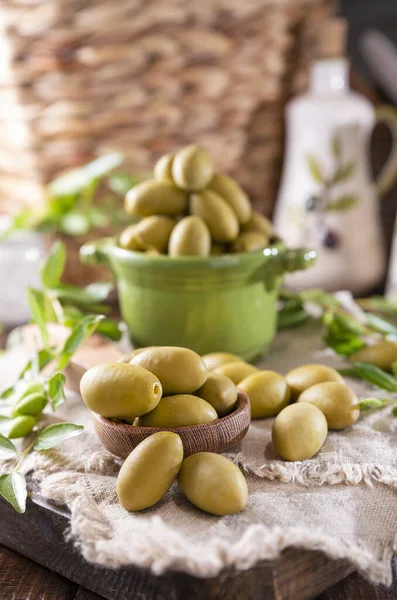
x,y
379,303
344,348
315,169
380,325
37,306
342,203
56,434
349,372
91,295
121,183
110,328
394,368
7,392
336,145
344,172
290,318
52,269
80,333
394,411
75,223
348,324
76,180
343,335
7,448
376,376
13,489
97,217
55,390
368,403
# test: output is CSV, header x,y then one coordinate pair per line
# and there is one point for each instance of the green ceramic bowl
x,y
220,303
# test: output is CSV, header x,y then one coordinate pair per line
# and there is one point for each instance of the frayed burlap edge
x,y
156,546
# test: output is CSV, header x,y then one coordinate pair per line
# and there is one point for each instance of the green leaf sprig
x,y
69,304
344,333
73,206
13,484
24,401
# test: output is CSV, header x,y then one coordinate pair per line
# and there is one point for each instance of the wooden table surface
x,y
23,579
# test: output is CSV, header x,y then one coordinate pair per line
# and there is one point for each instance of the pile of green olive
x,y
307,402
210,481
161,386
189,210
169,387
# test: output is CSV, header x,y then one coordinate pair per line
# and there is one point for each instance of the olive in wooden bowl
x,y
217,436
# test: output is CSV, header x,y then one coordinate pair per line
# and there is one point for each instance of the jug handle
x,y
94,253
388,175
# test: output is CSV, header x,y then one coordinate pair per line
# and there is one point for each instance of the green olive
x,y
250,241
163,167
32,388
180,370
268,393
301,378
260,224
217,214
299,431
33,404
192,168
216,359
213,483
337,402
21,426
180,410
236,371
220,392
119,390
234,195
217,249
382,355
150,233
149,471
155,198
190,237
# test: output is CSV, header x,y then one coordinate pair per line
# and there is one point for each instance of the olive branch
x,y
22,404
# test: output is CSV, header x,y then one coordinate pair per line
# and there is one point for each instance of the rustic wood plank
x,y
355,587
83,594
39,535
22,579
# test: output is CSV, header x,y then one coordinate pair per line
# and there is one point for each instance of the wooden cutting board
x,y
39,534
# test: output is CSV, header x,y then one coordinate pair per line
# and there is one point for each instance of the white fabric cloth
x,y
342,501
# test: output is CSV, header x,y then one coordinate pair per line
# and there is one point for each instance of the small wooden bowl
x,y
218,436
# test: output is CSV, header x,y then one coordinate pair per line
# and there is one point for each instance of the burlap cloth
x,y
342,501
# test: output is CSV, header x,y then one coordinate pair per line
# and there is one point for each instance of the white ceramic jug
x,y
327,198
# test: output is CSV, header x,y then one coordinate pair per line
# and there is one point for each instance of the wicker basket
x,y
84,77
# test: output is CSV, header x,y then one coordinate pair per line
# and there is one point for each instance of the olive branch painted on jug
x,y
324,201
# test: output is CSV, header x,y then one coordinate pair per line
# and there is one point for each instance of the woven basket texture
x,y
84,77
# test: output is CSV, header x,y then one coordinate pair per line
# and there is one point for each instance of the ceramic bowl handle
x,y
94,253
388,174
297,259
